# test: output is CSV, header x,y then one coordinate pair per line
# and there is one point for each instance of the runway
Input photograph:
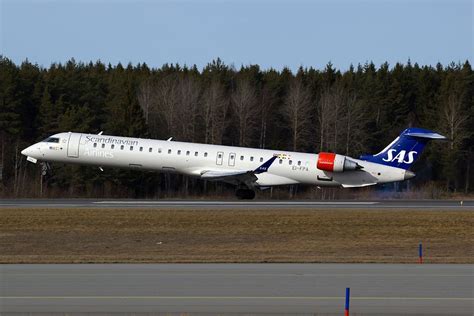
x,y
238,288
220,205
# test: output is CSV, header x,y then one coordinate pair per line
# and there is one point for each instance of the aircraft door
x,y
232,159
219,158
73,145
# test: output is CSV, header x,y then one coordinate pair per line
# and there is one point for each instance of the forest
x,y
352,112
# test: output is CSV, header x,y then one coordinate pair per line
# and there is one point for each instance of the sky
x,y
273,34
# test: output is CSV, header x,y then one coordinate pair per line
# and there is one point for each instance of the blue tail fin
x,y
405,149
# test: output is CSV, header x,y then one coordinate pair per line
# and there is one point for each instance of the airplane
x,y
246,168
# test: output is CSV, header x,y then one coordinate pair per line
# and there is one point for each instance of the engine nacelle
x,y
336,163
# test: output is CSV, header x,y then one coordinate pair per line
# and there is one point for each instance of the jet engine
x,y
336,163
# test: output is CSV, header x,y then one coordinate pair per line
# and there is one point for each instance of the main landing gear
x,y
245,194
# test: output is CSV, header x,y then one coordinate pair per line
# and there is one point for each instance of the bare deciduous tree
x,y
324,113
267,100
147,97
244,101
297,111
188,94
166,101
354,117
454,120
214,112
335,107
338,100
177,100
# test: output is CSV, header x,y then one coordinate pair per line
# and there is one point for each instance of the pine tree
x,y
48,115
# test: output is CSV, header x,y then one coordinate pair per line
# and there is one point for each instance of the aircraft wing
x,y
233,177
357,185
247,177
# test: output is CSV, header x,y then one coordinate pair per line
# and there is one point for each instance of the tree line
x,y
352,112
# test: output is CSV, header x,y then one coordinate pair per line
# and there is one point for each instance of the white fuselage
x,y
195,159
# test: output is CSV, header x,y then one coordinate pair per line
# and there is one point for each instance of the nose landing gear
x,y
245,194
45,168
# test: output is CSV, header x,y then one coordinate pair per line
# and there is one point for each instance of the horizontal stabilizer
x,y
427,135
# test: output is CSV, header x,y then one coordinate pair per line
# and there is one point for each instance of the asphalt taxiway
x,y
376,289
221,205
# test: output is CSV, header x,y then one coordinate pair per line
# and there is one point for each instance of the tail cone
x,y
408,175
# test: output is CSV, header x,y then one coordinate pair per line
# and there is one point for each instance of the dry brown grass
x,y
118,235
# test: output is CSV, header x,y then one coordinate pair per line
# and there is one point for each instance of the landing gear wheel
x,y
45,169
245,194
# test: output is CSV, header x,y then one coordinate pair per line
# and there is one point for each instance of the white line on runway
x,y
157,273
39,205
232,203
360,298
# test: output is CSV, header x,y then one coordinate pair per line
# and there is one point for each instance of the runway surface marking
x,y
246,274
442,205
232,203
361,298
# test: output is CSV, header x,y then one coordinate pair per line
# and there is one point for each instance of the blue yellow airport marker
x,y
420,253
348,294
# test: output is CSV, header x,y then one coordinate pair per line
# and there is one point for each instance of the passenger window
x,y
141,148
179,152
281,161
261,159
241,157
131,147
299,163
121,147
187,153
169,151
290,162
196,153
251,158
95,145
205,154
159,150
103,145
112,146
150,150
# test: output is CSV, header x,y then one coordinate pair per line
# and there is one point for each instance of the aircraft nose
x,y
25,151
31,151
408,175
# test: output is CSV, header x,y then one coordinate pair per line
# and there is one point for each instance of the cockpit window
x,y
51,140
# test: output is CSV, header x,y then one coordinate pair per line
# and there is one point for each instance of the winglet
x,y
265,166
